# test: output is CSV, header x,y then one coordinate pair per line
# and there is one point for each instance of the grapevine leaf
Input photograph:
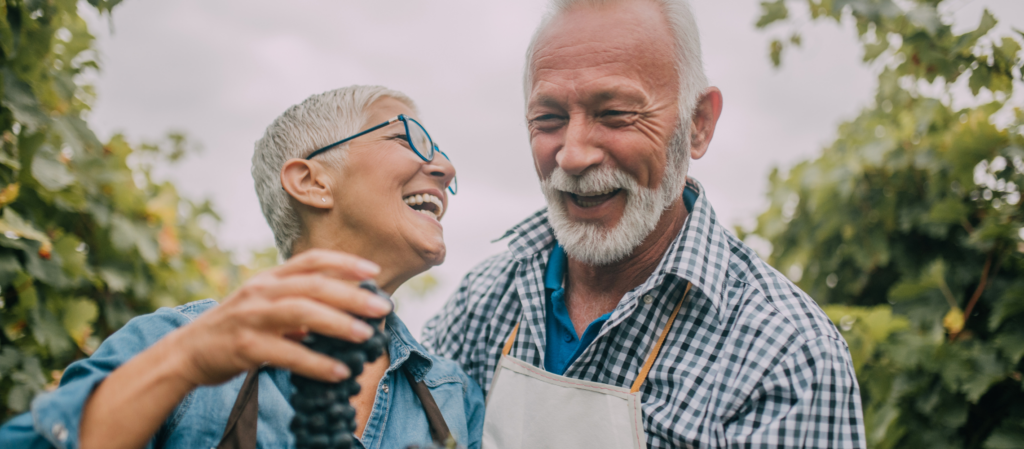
x,y
776,52
926,17
1010,304
50,173
18,97
78,318
772,12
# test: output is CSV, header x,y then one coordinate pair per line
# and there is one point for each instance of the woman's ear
x,y
308,182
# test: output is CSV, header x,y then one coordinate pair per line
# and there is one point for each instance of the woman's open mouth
x,y
426,204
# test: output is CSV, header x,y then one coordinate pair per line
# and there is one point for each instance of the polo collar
x,y
699,254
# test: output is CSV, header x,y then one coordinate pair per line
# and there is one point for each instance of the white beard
x,y
596,245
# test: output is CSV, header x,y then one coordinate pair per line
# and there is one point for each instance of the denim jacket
x,y
396,421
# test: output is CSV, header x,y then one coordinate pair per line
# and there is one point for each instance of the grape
x,y
324,419
450,444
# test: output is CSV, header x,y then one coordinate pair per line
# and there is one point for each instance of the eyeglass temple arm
x,y
328,147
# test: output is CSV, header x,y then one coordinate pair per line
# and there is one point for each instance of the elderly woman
x,y
349,170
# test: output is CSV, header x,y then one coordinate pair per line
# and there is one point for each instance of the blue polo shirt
x,y
563,345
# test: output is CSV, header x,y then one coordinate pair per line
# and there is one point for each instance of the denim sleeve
x,y
474,413
54,417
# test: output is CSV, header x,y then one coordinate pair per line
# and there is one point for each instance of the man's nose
x,y
578,152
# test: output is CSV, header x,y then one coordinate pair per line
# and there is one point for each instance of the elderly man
x,y
625,315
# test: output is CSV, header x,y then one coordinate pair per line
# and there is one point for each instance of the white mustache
x,y
592,182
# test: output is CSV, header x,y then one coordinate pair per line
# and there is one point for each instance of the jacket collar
x,y
699,254
405,351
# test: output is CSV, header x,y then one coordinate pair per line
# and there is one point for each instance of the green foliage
x,y
908,228
87,239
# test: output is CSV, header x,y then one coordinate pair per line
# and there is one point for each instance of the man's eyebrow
x,y
544,100
617,93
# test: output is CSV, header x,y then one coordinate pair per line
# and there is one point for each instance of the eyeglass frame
x,y
453,186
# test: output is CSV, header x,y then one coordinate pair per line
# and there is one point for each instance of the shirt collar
x,y
405,351
699,254
555,272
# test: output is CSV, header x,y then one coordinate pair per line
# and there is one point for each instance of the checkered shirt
x,y
751,361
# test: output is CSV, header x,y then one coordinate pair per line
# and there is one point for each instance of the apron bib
x,y
530,408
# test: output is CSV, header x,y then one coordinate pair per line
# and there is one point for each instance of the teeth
x,y
416,200
596,194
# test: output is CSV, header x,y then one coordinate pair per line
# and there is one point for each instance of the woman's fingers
x,y
331,263
289,314
295,357
341,295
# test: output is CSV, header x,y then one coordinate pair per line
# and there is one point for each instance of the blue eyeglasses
x,y
415,134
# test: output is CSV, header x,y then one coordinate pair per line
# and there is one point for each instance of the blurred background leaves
x,y
87,238
908,228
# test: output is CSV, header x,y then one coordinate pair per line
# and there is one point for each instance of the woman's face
x,y
389,199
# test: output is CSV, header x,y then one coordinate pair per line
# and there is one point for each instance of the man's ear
x,y
308,182
702,125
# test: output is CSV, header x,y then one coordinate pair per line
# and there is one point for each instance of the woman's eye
x,y
403,138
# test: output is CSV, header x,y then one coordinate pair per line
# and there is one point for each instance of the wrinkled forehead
x,y
622,39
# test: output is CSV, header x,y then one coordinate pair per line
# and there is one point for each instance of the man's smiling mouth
x,y
426,204
592,199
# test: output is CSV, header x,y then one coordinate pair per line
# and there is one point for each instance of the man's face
x,y
602,109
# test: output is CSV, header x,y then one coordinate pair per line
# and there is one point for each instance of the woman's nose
x,y
440,168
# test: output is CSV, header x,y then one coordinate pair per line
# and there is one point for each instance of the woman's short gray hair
x,y
689,64
316,122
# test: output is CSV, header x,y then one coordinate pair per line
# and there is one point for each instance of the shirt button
x,y
385,388
60,432
568,338
648,299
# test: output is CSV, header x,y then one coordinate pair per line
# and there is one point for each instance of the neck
x,y
599,288
393,272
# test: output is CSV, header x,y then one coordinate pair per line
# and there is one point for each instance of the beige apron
x,y
530,408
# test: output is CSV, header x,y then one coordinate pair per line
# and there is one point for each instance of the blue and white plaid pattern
x,y
751,360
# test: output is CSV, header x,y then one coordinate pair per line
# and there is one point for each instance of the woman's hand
x,y
314,291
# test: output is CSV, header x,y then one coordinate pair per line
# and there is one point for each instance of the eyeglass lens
x,y
419,139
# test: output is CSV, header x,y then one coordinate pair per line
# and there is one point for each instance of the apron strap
x,y
511,338
439,432
657,346
240,432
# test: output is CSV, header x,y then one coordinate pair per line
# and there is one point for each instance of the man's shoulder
x,y
771,302
495,272
491,267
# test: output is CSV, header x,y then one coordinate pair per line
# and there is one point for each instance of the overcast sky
x,y
222,70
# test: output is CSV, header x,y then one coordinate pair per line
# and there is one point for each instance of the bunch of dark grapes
x,y
324,419
450,444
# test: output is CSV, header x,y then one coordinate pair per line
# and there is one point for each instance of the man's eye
x,y
547,121
616,117
615,113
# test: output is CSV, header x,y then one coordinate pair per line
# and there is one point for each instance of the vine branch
x,y
977,293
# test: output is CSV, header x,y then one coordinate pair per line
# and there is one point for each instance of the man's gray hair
x,y
689,64
316,122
